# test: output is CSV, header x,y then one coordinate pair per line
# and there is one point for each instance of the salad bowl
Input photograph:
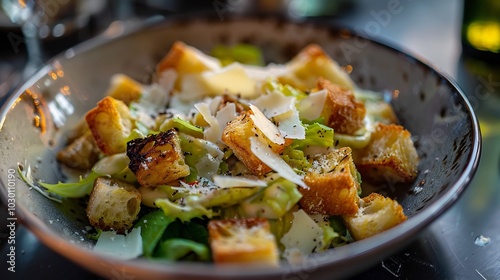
x,y
35,121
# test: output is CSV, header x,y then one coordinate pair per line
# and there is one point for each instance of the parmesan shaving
x,y
290,125
310,108
230,182
275,162
302,238
231,79
270,130
274,104
123,247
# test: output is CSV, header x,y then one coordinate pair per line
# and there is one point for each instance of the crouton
x,y
389,157
113,205
125,89
309,64
333,185
186,59
236,136
157,159
243,241
110,123
376,214
341,111
82,153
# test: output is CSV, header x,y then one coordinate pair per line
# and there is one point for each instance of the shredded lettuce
x,y
296,159
316,135
202,157
73,190
274,201
287,90
185,209
182,126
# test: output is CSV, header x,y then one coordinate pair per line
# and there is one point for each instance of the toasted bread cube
x,y
236,136
110,123
333,185
312,62
341,111
125,89
186,59
243,241
389,157
82,153
376,214
157,159
113,205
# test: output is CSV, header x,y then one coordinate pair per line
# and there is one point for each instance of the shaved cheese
x,y
124,247
310,108
230,182
231,79
275,162
270,130
214,132
217,123
274,103
226,114
302,238
259,73
290,125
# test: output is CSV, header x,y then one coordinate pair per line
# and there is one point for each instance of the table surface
x,y
448,248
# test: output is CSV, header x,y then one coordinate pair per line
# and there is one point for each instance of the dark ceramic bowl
x,y
35,120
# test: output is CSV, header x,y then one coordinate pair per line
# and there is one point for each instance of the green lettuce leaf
x,y
274,201
182,126
316,135
153,226
287,90
243,53
182,249
73,190
186,209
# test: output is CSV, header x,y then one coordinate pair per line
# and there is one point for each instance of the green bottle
x,y
481,29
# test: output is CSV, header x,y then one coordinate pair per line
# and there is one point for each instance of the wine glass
x,y
28,15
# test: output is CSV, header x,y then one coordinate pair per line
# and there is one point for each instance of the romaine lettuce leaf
x,y
73,190
243,53
316,135
153,226
274,201
182,249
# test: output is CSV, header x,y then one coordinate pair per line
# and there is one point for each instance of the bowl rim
x,y
360,250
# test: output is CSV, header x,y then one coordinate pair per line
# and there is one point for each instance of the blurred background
x,y
461,38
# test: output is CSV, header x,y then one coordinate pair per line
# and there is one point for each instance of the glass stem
x,y
33,48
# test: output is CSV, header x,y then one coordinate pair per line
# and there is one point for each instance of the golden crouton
x,y
376,214
389,157
243,241
333,185
125,89
82,153
236,136
312,62
110,123
341,111
113,205
157,159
